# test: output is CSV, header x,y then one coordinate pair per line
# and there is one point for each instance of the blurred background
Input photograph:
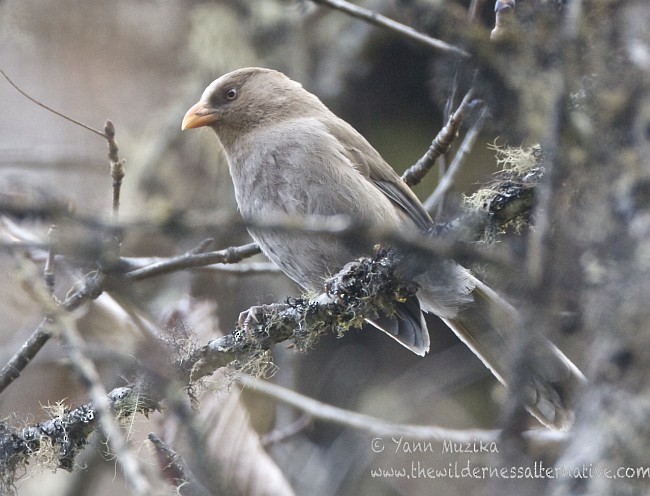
x,y
141,64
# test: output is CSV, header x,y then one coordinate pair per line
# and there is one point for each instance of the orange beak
x,y
198,115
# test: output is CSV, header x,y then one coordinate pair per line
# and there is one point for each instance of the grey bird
x,y
289,154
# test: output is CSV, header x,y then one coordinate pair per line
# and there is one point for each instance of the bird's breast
x,y
301,171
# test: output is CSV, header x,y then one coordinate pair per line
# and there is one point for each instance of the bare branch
x,y
448,179
375,426
117,165
89,288
440,144
174,469
50,109
279,435
230,267
384,22
192,259
48,271
29,349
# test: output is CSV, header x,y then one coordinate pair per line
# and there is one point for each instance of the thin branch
x,y
378,427
89,288
50,109
29,349
192,260
448,179
229,267
384,22
441,143
279,435
117,166
175,470
93,285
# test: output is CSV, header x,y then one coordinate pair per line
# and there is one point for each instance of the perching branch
x,y
363,288
360,290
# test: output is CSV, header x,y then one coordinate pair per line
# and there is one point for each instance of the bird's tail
x,y
488,326
407,326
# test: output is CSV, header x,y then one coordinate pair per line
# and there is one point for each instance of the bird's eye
x,y
231,94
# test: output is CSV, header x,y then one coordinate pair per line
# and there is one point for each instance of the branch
x,y
193,259
29,349
362,289
131,465
117,166
440,144
378,427
175,470
65,434
384,22
94,284
50,109
448,179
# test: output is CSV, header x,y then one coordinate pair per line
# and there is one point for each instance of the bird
x,y
288,154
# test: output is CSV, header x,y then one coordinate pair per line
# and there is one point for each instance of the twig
x,y
117,166
378,427
279,435
440,144
48,271
29,349
237,268
50,109
90,288
93,284
384,22
174,469
448,179
192,260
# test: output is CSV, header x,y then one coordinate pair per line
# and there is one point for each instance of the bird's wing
x,y
374,168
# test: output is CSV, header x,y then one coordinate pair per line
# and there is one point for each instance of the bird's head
x,y
247,99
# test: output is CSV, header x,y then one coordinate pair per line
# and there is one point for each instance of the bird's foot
x,y
257,314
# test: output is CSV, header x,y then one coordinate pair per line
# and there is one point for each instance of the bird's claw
x,y
256,315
